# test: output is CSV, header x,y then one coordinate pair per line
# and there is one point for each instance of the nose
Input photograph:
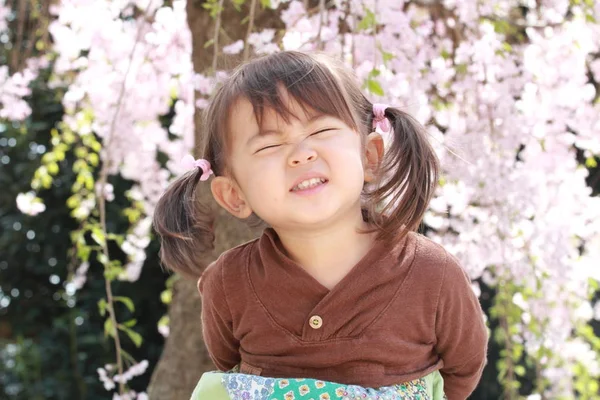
x,y
301,155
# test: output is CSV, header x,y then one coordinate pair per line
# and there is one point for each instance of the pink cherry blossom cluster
x,y
132,72
110,379
13,88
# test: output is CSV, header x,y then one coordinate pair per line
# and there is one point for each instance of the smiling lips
x,y
308,184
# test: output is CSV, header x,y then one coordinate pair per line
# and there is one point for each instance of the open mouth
x,y
309,184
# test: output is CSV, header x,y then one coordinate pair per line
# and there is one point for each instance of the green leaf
x,y
127,301
506,47
98,236
367,22
102,306
117,238
81,152
166,296
135,337
46,181
590,162
48,157
96,146
387,56
590,18
461,69
164,321
93,159
131,323
132,214
375,87
73,201
109,329
374,73
102,259
83,253
79,165
237,4
89,182
208,43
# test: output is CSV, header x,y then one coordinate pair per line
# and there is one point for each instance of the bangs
x,y
313,85
319,84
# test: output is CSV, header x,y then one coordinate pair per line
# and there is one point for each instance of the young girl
x,y
339,292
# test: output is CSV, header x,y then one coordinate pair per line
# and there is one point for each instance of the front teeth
x,y
309,183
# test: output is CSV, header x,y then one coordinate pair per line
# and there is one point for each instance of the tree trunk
x,y
184,357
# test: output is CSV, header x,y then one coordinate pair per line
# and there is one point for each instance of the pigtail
x,y
408,176
185,226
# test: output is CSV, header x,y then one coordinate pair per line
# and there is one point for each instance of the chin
x,y
313,220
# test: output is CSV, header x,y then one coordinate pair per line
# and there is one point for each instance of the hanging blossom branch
x,y
13,88
251,18
216,36
101,198
76,133
321,23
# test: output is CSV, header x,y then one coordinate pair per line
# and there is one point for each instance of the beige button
x,y
316,322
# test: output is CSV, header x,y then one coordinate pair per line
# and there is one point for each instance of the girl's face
x,y
307,173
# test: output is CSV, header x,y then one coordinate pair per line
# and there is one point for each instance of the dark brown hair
x,y
394,203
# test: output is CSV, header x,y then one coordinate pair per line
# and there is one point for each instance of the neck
x,y
328,254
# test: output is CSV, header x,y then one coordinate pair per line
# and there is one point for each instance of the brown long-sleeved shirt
x,y
405,310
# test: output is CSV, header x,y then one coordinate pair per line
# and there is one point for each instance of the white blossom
x,y
29,204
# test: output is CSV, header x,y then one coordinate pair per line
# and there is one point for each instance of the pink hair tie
x,y
188,163
380,120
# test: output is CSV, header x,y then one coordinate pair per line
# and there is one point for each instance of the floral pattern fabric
x,y
251,387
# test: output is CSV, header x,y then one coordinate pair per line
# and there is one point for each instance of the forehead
x,y
246,119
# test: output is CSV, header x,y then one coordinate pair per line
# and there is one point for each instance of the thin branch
x,y
522,23
509,392
321,22
47,17
216,37
36,20
21,21
250,28
375,35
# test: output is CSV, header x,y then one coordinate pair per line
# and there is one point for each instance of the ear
x,y
229,196
374,149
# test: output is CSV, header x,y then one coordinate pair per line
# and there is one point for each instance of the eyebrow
x,y
271,132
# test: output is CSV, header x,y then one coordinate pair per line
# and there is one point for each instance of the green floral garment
x,y
236,386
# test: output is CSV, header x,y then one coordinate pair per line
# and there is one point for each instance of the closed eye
x,y
267,147
322,130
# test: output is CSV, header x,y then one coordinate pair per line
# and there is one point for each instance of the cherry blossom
x,y
29,204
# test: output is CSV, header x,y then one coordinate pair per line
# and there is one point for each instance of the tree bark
x,y
184,356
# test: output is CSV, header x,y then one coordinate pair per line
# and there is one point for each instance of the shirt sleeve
x,y
217,324
462,336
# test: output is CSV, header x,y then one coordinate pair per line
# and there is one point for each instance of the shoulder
x,y
433,259
232,260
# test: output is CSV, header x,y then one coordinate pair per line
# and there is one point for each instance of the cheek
x,y
349,151
349,160
259,179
